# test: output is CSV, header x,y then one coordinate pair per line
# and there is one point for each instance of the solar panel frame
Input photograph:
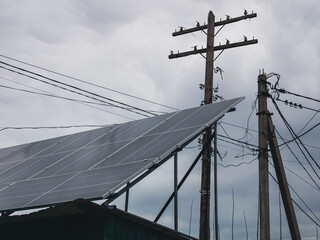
x,y
163,131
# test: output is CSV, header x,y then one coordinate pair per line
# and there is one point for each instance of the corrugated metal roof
x,y
81,218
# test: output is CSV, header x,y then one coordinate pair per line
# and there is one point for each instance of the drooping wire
x,y
238,165
253,147
123,106
277,92
89,83
247,134
243,147
237,126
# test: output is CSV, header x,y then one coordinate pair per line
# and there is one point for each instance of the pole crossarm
x,y
216,24
216,48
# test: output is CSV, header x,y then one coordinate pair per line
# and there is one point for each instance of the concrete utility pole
x,y
263,158
204,231
267,135
283,183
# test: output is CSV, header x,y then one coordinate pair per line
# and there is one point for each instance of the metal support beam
x,y
282,180
181,182
215,182
216,24
129,185
7,213
127,198
216,48
176,192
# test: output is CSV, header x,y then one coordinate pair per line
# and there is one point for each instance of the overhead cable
x,y
237,165
299,136
301,178
295,105
309,121
299,161
52,127
237,126
297,95
314,221
121,105
294,135
89,83
86,103
299,197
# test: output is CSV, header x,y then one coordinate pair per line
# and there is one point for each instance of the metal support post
x,y
127,198
215,151
184,178
176,192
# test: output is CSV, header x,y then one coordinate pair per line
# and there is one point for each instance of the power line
x,y
89,83
86,103
51,127
299,161
127,107
78,89
299,136
240,127
302,179
237,126
231,148
254,147
296,94
238,165
46,93
282,90
309,121
295,105
71,99
294,135
297,203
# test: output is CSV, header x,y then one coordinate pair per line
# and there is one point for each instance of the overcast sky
x,y
124,46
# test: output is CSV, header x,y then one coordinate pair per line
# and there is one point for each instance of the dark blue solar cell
x,y
90,164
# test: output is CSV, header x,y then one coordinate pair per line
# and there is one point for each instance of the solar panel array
x,y
95,163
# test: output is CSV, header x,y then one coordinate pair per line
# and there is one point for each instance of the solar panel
x,y
96,163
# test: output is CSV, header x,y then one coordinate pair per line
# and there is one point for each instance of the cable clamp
x,y
264,112
263,94
204,192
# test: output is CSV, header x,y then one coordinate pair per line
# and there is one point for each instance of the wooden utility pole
x,y
267,135
204,231
263,158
